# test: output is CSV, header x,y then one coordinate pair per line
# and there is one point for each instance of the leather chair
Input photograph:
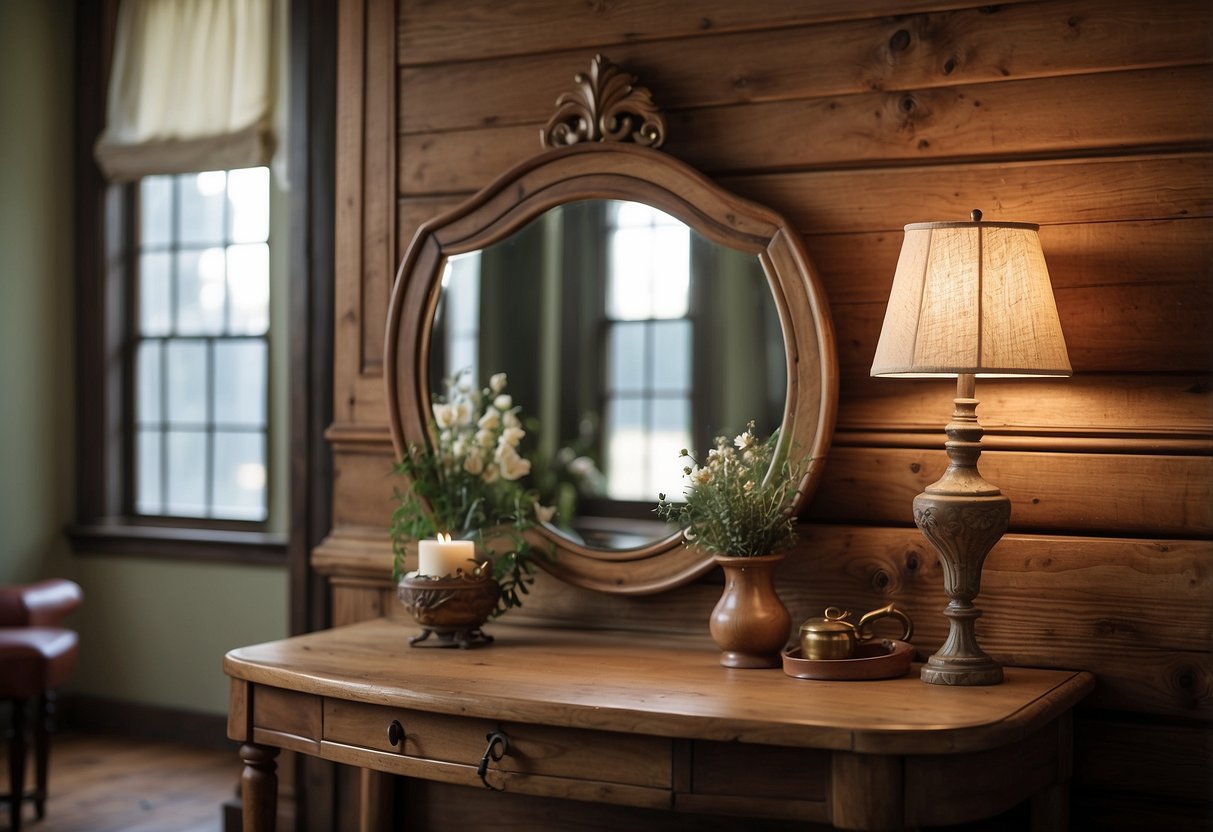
x,y
36,657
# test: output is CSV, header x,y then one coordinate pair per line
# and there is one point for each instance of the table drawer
x,y
573,753
762,780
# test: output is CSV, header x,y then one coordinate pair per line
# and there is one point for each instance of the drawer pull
x,y
499,744
395,733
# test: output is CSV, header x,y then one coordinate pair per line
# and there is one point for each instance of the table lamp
x,y
969,299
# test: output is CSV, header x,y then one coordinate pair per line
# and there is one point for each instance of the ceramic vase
x,y
750,624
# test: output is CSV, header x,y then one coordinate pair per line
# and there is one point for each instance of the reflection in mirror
x,y
626,336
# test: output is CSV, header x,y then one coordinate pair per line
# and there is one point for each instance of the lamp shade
x,y
971,297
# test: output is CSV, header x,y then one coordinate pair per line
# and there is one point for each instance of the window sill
x,y
179,543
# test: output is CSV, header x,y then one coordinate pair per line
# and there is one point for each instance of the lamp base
x,y
960,661
969,672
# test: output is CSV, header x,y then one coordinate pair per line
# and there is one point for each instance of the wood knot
x,y
949,66
915,467
900,41
907,103
881,579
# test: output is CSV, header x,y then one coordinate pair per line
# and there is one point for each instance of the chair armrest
x,y
41,604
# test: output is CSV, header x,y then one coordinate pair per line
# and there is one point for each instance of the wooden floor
x,y
106,784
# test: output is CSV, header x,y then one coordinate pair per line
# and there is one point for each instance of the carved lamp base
x,y
962,529
963,516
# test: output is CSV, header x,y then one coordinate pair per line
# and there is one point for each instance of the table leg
x,y
259,787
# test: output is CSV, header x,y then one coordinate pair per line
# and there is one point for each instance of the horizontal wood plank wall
x,y
1090,117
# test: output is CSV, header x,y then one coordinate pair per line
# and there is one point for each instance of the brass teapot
x,y
834,637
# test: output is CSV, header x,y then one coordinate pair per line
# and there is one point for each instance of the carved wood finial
x,y
606,106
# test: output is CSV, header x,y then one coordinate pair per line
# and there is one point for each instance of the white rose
x,y
490,474
513,467
474,464
497,382
491,420
444,415
510,419
463,412
544,514
511,437
485,438
503,402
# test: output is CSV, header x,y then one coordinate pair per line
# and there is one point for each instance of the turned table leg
x,y
259,787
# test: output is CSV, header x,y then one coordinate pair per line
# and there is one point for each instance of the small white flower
x,y
701,476
510,419
503,402
459,446
511,436
497,382
474,464
544,514
513,467
463,412
444,415
582,466
744,441
491,420
485,438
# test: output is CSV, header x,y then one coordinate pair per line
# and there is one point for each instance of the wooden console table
x,y
652,721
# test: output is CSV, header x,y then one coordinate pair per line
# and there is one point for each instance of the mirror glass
x,y
626,336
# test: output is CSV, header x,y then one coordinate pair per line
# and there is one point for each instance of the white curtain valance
x,y
192,88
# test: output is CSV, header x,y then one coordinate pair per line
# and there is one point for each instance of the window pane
x,y
201,199
628,355
155,294
156,210
186,473
631,295
671,432
671,270
626,447
200,291
239,476
248,279
187,393
672,355
147,392
248,193
240,383
147,487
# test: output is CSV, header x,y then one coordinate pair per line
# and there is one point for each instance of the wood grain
x,y
916,51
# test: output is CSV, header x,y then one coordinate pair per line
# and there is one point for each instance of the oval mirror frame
x,y
638,174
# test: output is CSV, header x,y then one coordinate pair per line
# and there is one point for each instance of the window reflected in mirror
x,y
626,337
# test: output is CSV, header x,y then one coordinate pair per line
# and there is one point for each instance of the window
x,y
648,379
201,348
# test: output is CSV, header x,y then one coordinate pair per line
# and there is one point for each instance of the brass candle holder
x,y
452,607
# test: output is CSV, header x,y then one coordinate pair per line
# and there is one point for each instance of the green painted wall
x,y
152,631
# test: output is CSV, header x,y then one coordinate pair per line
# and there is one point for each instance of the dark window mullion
x,y
209,426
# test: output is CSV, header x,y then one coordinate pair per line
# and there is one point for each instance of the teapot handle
x,y
887,611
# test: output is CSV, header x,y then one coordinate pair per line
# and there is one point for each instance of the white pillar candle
x,y
444,556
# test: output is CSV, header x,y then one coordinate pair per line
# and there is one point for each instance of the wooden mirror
x,y
506,263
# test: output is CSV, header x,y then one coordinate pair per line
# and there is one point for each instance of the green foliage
x,y
736,504
467,484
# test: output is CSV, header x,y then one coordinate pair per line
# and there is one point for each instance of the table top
x,y
662,685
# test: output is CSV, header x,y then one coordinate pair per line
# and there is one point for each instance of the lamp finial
x,y
976,214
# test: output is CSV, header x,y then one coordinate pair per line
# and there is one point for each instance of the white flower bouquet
x,y
467,484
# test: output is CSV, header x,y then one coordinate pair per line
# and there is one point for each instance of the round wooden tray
x,y
885,659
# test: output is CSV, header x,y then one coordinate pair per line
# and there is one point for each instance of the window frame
x,y
106,223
